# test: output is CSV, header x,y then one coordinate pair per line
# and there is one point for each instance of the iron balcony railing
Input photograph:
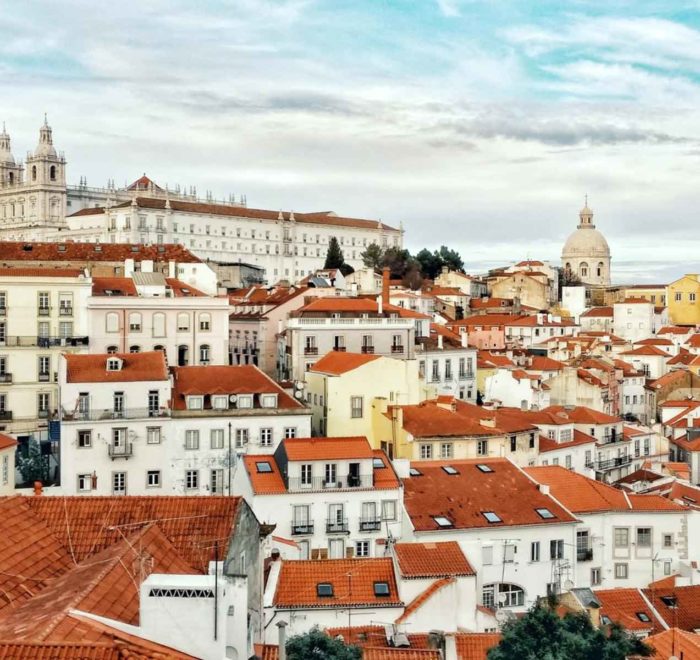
x,y
397,349
121,451
368,349
373,524
610,463
310,350
300,528
5,378
44,311
65,311
12,341
295,484
337,526
104,414
5,415
584,554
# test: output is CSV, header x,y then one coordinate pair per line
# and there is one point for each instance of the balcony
x,y
310,350
335,526
339,349
28,341
295,484
121,451
43,414
5,378
302,528
368,350
610,463
44,378
105,414
44,311
370,524
397,349
466,375
5,415
65,311
584,554
3,311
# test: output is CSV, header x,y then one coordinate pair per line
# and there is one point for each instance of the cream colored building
x,y
586,252
8,447
43,313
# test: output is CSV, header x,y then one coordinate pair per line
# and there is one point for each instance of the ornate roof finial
x,y
46,120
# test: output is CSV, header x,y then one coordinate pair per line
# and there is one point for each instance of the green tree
x,y
450,258
542,635
430,263
373,256
334,256
319,646
31,464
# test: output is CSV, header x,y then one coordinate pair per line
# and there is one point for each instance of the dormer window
x,y
195,402
245,401
268,401
219,402
114,364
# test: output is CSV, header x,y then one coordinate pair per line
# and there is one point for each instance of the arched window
x,y
159,324
135,322
183,353
601,267
52,173
183,322
11,177
111,350
159,347
33,172
134,349
583,269
502,594
112,322
205,322
568,266
204,353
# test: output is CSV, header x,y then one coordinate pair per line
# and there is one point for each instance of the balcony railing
x,y
368,349
335,526
370,524
397,349
5,415
65,311
3,311
584,554
5,378
310,350
44,311
42,342
339,349
44,378
466,375
299,528
104,414
320,483
610,463
121,451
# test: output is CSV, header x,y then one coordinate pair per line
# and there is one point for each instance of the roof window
x,y
381,589
605,620
378,463
61,248
134,248
414,472
263,467
324,590
669,601
483,467
114,364
545,513
492,517
643,616
449,469
442,521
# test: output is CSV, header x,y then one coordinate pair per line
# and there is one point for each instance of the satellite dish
x,y
501,599
299,395
568,585
233,398
298,385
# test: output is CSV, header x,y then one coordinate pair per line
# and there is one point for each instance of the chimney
x,y
282,640
440,342
380,304
450,647
464,337
38,488
385,284
544,489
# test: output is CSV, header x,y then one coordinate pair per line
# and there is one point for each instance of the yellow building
x,y
683,298
530,288
654,293
343,388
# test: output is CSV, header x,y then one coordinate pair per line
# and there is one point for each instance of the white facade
x,y
516,388
633,320
447,369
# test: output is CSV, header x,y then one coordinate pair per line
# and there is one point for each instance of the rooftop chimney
x,y
440,342
38,488
464,337
386,272
544,489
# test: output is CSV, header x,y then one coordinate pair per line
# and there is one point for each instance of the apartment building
x,y
334,497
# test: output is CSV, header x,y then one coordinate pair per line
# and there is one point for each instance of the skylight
x,y
381,589
442,521
643,616
377,463
483,467
545,513
324,590
492,517
605,620
263,467
449,469
415,473
669,601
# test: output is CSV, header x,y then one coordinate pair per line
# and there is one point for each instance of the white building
x,y
517,388
634,319
586,253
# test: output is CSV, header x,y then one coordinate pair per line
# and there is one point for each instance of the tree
x,y
334,256
542,634
451,258
430,263
319,646
568,277
373,256
31,464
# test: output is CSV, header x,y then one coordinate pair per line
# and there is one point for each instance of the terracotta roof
x,y
424,596
264,482
117,650
113,286
427,419
7,441
144,183
431,560
488,303
623,605
384,477
89,524
181,289
336,363
693,341
41,272
580,494
581,415
647,351
12,251
547,445
463,498
353,583
529,262
388,653
488,360
228,379
598,312
135,367
673,330
310,449
686,612
675,643
654,341
542,363
475,646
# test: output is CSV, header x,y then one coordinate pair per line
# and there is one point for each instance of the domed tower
x,y
10,171
586,252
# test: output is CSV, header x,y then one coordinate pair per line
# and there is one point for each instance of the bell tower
x,y
10,171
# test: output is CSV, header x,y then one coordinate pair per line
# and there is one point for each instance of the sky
x,y
478,124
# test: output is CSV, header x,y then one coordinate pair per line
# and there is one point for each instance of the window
x,y
442,521
241,438
389,510
204,355
381,589
191,479
119,483
135,322
545,513
567,461
159,324
556,549
324,590
290,432
668,540
644,537
266,437
43,404
268,401
263,467
44,367
535,551
195,402
331,473
678,296
336,548
153,479
643,617
426,451
362,548
513,443
183,322
595,577
483,468
84,483
492,517
219,402
43,304
84,439
216,438
134,349
621,571
482,448
205,322
191,440
502,595
153,435
216,481
356,407
621,537
446,450
306,472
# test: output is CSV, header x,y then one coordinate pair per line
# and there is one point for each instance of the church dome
x,y
586,241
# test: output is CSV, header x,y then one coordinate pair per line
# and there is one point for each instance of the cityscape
x,y
342,400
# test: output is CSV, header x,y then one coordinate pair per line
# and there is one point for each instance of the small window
x,y
669,601
449,469
263,467
415,472
492,517
381,589
324,590
643,616
114,364
605,620
442,521
483,468
545,513
378,463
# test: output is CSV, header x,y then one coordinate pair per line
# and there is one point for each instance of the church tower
x,y
10,171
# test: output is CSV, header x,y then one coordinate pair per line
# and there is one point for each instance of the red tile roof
x,y
428,420
229,379
475,646
384,477
581,415
116,650
463,498
547,445
352,579
580,494
144,183
181,289
673,330
41,272
135,367
388,653
318,449
336,363
622,605
13,251
598,312
542,363
113,286
488,360
686,613
675,643
651,351
654,341
7,441
431,560
264,483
